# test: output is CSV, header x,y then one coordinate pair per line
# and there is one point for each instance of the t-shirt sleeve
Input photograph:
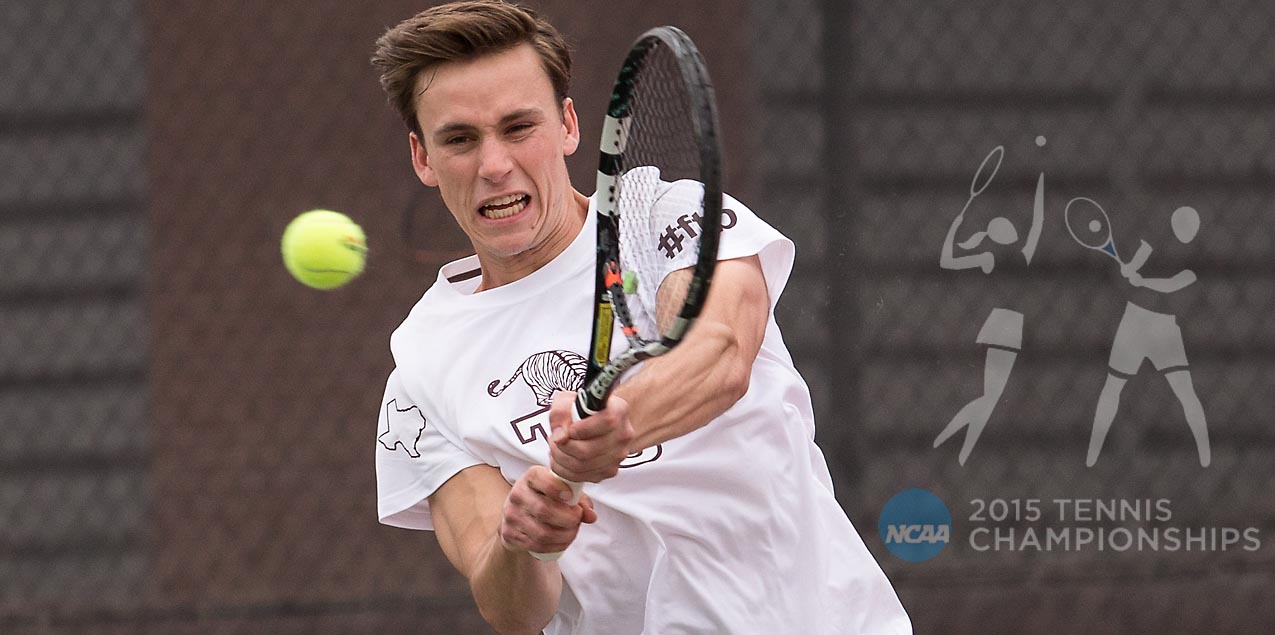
x,y
413,459
745,234
673,231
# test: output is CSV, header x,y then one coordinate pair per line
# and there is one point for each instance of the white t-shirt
x,y
732,528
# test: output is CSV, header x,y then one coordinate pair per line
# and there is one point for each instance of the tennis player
x,y
1002,330
710,508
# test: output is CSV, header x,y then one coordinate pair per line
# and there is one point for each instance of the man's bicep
x,y
466,511
713,364
739,300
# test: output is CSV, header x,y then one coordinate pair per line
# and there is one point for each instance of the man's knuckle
x,y
509,534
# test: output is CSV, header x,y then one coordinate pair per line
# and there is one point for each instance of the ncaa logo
x,y
915,525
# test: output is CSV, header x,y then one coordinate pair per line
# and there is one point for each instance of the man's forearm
x,y
688,387
708,372
1178,282
515,592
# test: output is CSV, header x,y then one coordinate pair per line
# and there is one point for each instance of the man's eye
x,y
521,128
457,140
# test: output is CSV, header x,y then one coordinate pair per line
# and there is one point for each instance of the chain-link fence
x,y
74,432
186,433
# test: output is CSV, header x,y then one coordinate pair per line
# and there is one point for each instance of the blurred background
x,y
186,433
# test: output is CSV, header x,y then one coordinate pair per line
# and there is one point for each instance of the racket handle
x,y
586,405
577,414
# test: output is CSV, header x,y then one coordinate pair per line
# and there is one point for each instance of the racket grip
x,y
577,414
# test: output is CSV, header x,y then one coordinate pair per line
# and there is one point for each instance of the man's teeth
x,y
506,206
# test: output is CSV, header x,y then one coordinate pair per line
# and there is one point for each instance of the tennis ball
x,y
324,249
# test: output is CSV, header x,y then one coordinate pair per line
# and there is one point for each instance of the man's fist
x,y
537,516
591,449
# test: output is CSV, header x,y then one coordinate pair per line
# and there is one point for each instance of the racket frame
x,y
602,372
1107,247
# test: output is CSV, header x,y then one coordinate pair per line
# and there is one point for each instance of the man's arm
x,y
486,528
1182,279
1038,220
678,392
708,372
948,258
1179,281
1135,263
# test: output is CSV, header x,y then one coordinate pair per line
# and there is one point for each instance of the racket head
x,y
1089,225
659,203
979,182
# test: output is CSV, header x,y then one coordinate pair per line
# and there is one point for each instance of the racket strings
x,y
1088,223
660,199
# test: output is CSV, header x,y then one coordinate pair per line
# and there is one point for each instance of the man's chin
x,y
504,250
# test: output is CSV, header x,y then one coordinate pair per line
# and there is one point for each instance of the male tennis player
x,y
1155,336
710,509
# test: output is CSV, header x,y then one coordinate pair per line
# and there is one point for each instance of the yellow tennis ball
x,y
324,249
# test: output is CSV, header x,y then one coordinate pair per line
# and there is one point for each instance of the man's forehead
x,y
491,85
513,68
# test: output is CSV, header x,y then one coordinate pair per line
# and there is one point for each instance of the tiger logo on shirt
x,y
546,373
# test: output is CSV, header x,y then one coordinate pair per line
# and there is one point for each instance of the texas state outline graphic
x,y
403,427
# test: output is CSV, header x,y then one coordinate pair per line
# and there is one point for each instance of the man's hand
x,y
589,450
986,262
1131,268
1127,270
537,517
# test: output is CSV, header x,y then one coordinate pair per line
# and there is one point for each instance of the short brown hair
x,y
460,31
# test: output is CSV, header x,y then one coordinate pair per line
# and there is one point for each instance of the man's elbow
x,y
513,616
734,360
737,369
737,381
507,623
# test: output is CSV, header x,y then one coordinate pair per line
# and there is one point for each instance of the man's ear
x,y
420,161
572,124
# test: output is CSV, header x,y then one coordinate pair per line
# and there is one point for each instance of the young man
x,y
710,509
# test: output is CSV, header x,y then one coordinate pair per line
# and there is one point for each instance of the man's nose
x,y
494,160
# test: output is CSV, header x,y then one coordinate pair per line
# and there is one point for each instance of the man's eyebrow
x,y
451,128
521,113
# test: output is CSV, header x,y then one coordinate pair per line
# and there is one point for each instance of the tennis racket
x,y
659,206
975,187
1089,225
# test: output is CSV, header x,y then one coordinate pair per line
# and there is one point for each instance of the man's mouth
x,y
505,206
